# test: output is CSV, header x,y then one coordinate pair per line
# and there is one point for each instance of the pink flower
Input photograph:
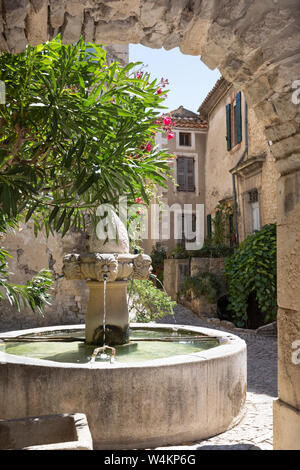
x,y
148,147
157,122
167,121
139,75
159,91
139,200
171,135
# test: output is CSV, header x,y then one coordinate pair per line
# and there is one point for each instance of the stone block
x,y
281,131
286,426
16,40
51,432
288,164
120,32
266,113
288,323
286,146
288,265
57,13
257,90
37,27
72,28
15,13
289,200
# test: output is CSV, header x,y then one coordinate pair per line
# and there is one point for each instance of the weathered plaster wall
x,y
170,196
29,256
264,179
218,161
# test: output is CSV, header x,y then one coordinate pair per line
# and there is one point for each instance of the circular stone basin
x,y
156,393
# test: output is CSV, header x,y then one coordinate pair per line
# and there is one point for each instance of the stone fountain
x,y
143,401
107,269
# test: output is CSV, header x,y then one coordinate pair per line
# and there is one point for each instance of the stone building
x,y
186,186
221,156
239,167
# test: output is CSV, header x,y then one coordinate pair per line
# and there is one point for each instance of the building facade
x,y
186,186
239,167
221,158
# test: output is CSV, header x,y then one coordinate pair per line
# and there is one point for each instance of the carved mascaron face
x,y
141,267
71,267
97,266
100,266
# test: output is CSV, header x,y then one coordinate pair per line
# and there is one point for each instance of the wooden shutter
x,y
180,173
228,125
239,117
185,174
190,174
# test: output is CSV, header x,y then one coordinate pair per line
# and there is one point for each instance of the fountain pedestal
x,y
116,321
117,270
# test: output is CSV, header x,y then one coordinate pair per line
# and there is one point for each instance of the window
x,y
234,122
186,174
253,199
185,139
255,215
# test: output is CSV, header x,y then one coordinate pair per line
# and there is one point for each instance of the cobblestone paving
x,y
255,431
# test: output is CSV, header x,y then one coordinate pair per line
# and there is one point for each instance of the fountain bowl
x,y
137,405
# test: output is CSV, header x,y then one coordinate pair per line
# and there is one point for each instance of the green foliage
x,y
252,269
216,245
220,221
211,250
158,255
149,303
74,132
205,283
179,252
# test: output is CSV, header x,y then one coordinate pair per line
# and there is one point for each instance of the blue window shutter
x,y
228,125
239,117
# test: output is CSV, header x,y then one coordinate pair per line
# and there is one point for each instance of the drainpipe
x,y
233,175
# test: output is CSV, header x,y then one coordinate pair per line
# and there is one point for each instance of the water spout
x,y
103,355
104,307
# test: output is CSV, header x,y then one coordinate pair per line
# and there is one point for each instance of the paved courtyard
x,y
255,431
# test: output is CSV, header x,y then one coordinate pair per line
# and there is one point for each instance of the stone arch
x,y
256,46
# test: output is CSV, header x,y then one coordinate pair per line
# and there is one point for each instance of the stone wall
x,y
28,256
175,272
218,161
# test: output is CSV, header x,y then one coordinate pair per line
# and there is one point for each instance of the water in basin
x,y
79,352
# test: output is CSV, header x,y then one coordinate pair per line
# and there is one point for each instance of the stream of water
x,y
104,311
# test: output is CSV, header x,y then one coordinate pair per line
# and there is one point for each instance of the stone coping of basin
x,y
229,345
82,436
